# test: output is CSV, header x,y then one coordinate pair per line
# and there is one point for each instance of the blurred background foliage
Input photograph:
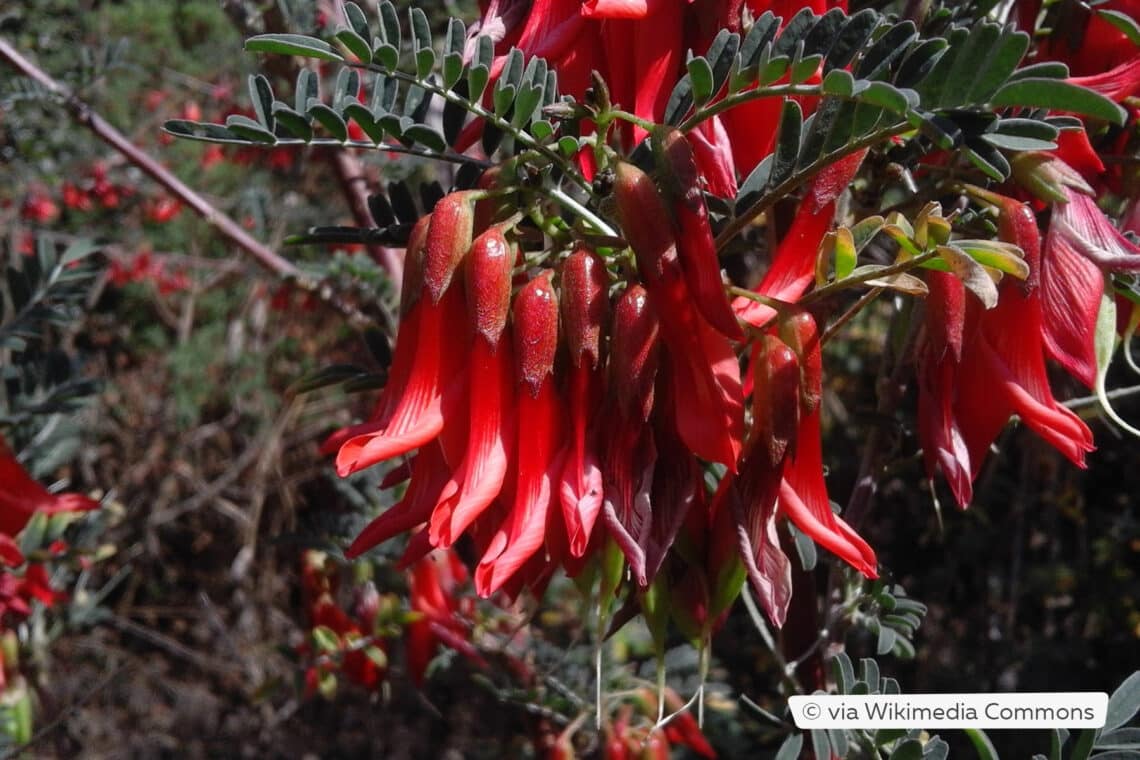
x,y
191,424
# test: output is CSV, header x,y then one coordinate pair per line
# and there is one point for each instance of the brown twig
x,y
225,225
85,115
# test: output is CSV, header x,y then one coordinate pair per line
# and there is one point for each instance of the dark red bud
x,y
489,265
645,223
696,248
413,282
448,239
679,167
775,397
634,352
536,331
1017,224
801,334
585,304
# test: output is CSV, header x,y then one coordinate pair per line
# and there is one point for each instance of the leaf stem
x,y
580,209
707,112
331,142
478,110
733,228
850,314
859,279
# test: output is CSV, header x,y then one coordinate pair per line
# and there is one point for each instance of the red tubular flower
x,y
803,493
585,311
678,482
427,362
978,366
939,355
716,164
1080,246
751,497
803,499
696,249
478,479
21,496
630,454
644,47
429,475
539,439
709,408
793,264
1087,42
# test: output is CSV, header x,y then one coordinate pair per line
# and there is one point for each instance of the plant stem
x,y
738,223
787,671
593,219
724,104
645,124
86,116
759,298
478,110
850,314
859,279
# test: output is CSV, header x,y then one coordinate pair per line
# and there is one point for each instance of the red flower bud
x,y
634,351
776,382
645,223
1017,224
413,282
695,244
536,331
585,304
489,267
800,332
448,238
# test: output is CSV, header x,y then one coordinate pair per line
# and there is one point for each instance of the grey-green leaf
x,y
1058,95
982,744
293,122
243,126
787,143
790,749
1124,703
1124,23
292,44
357,20
701,76
308,88
329,119
355,44
426,136
262,96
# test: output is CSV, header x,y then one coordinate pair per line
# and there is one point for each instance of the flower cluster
x,y
554,410
561,402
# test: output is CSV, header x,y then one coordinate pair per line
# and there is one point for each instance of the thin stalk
x,y
478,110
724,104
645,124
331,142
578,208
734,228
850,282
850,314
759,298
1083,401
787,670
86,116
